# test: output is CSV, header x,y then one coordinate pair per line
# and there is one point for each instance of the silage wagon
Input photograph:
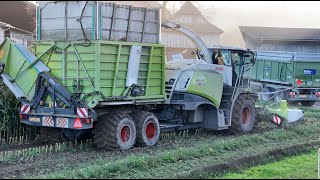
x,y
294,74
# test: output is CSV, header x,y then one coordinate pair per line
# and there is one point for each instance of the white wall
x,y
20,38
1,34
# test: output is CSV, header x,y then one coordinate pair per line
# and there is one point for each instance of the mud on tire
x,y
243,114
115,131
148,128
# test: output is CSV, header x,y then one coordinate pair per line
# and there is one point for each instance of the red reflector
x,y
86,121
292,94
277,120
77,123
23,117
299,82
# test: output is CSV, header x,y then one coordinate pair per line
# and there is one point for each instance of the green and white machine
x,y
124,93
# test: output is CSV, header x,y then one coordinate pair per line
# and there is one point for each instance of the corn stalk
x,y
11,130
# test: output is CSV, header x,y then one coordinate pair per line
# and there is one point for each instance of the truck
x,y
124,93
290,76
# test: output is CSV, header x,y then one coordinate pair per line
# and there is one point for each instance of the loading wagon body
x,y
297,72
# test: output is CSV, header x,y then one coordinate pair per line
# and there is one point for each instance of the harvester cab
x,y
233,59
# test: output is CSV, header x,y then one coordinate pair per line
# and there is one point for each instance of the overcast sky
x,y
240,4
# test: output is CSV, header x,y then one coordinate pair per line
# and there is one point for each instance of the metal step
x,y
170,125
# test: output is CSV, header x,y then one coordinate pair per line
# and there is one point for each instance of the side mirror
x,y
254,58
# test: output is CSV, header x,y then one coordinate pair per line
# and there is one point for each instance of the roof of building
x,y
189,9
281,34
20,14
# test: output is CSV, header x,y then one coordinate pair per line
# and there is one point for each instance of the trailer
x,y
294,75
124,93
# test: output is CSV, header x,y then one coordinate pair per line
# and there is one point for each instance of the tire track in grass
x,y
253,160
218,163
294,167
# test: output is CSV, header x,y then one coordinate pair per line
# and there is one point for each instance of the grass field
x,y
296,167
185,155
195,155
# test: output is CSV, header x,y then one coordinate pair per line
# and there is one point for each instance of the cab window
x,y
226,57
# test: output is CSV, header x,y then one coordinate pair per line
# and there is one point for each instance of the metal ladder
x,y
242,78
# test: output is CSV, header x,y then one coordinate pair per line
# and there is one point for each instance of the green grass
x,y
296,167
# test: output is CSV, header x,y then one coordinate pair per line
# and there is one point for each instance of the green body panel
x,y
208,85
103,67
100,67
286,72
311,80
16,63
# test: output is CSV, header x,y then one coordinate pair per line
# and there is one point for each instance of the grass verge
x,y
295,167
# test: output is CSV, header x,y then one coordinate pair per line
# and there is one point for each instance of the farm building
x,y
190,17
15,34
281,39
17,20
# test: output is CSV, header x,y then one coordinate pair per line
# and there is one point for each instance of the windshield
x,y
223,54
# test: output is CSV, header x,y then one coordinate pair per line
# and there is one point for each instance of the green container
x,y
286,68
96,70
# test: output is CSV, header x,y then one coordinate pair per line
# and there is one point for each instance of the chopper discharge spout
x,y
203,50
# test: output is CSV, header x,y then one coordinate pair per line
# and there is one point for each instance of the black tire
x,y
148,128
307,103
51,135
265,96
243,114
115,131
280,96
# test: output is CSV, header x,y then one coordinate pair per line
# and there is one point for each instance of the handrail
x,y
240,79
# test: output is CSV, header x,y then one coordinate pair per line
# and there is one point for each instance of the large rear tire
x,y
307,103
148,128
243,114
115,131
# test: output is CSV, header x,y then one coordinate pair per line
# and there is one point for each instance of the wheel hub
x,y
246,116
125,133
150,130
